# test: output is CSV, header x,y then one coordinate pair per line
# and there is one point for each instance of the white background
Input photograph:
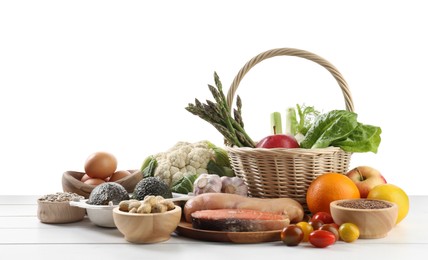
x,y
83,76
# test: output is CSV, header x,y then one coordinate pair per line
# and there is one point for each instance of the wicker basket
x,y
281,172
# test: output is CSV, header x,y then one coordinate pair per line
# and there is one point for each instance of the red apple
x,y
278,141
366,178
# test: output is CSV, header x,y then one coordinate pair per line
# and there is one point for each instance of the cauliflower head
x,y
183,159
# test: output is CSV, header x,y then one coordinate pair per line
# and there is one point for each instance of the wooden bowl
x,y
147,228
71,182
372,222
58,212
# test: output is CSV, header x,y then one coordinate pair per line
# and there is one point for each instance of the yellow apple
x,y
392,193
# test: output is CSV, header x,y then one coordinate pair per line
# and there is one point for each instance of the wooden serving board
x,y
185,229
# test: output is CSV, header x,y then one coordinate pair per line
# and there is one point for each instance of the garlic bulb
x,y
234,185
207,183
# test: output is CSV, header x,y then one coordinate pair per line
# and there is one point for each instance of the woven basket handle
x,y
292,52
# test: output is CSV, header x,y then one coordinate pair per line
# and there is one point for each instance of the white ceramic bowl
x,y
100,215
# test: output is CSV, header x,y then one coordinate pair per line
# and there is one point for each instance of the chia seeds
x,y
365,204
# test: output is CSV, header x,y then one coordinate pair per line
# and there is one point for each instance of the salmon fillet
x,y
239,220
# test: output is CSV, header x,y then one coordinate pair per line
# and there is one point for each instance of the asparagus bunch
x,y
218,114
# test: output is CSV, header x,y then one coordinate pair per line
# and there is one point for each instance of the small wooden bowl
x,y
373,223
58,212
147,228
71,182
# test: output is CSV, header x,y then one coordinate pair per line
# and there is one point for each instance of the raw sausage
x,y
206,201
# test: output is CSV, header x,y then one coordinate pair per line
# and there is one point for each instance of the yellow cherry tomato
x,y
349,232
307,229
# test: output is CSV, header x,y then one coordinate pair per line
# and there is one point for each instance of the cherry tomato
x,y
325,217
349,232
334,225
292,235
316,223
307,229
322,238
331,227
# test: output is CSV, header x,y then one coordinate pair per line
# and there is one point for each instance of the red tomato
x,y
322,238
316,223
325,217
334,225
292,235
331,228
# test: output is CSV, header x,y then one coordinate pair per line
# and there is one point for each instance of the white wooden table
x,y
23,236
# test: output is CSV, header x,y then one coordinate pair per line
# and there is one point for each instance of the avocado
x,y
151,186
103,193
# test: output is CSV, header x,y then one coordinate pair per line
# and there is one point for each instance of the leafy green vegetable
x,y
340,128
364,138
214,168
306,116
185,184
149,166
221,156
337,124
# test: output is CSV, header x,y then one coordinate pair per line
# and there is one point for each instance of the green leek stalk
x,y
291,122
276,123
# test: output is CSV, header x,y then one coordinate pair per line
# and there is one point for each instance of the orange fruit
x,y
392,193
327,188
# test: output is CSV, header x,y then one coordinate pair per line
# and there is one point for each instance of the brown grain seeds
x,y
365,204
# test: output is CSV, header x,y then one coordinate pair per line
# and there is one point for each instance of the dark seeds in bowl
x,y
365,204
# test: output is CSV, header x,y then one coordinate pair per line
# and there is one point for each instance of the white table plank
x,y
21,210
32,222
86,232
19,199
214,251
